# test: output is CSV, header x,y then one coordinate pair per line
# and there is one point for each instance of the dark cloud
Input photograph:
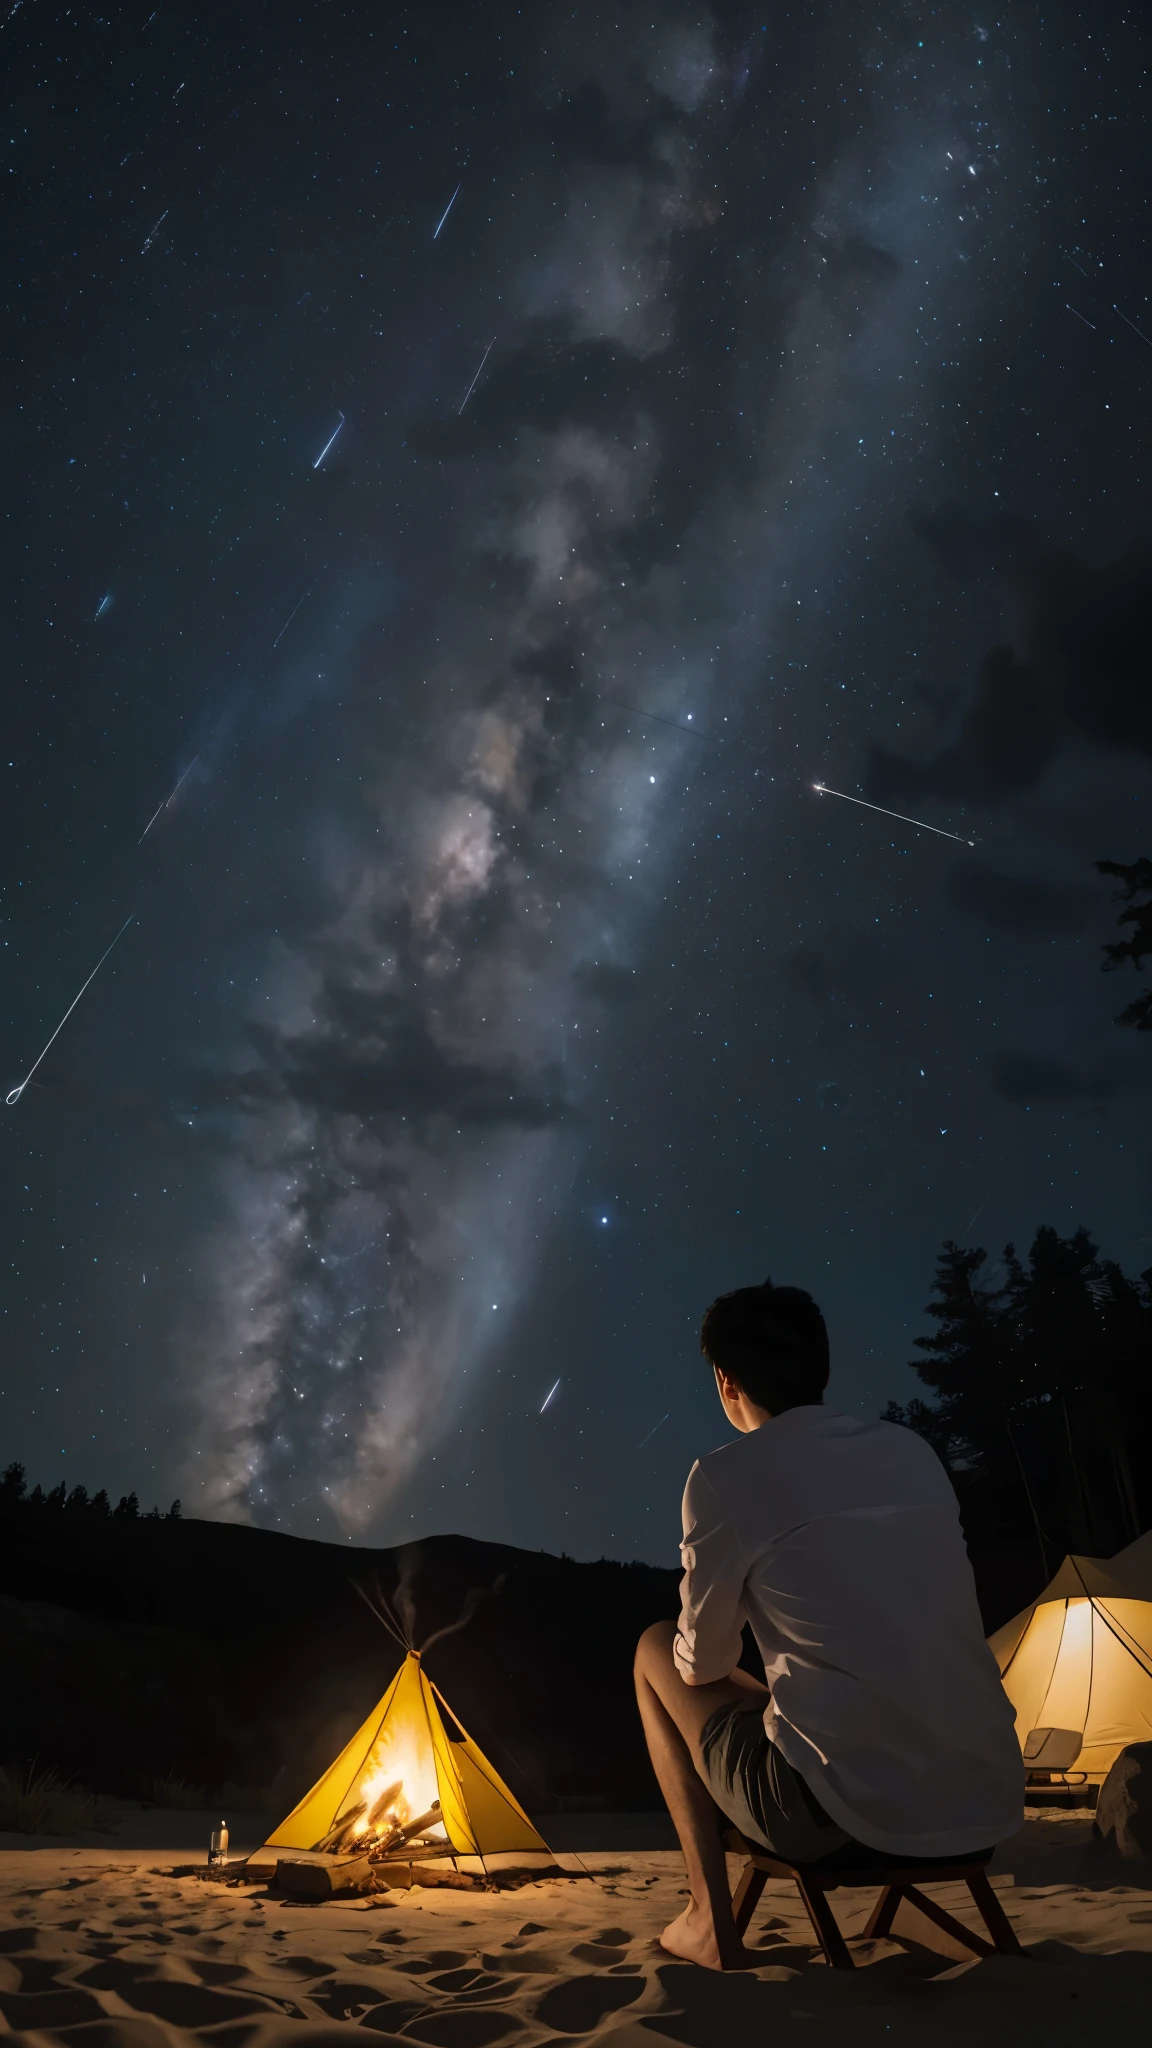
x,y
376,1060
608,984
549,381
806,972
851,966
965,542
1028,909
1031,1077
1079,669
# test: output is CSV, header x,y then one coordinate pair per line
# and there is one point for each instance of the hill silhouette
x,y
147,1650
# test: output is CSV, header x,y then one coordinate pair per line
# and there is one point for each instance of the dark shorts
x,y
755,1786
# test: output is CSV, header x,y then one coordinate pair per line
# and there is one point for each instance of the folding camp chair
x,y
897,1881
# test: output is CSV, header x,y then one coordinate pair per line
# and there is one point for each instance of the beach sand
x,y
103,1944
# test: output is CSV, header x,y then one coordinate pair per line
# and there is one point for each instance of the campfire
x,y
412,1785
396,1804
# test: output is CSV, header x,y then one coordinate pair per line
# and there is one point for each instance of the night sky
x,y
499,990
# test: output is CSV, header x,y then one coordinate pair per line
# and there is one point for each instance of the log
x,y
408,1832
322,1877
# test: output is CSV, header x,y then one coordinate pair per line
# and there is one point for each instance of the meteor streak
x,y
822,789
103,605
13,1098
150,238
651,1433
548,1397
447,211
299,601
476,378
1079,316
327,445
1133,326
167,800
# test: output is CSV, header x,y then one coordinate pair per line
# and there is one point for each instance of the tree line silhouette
x,y
1040,1371
1135,878
81,1508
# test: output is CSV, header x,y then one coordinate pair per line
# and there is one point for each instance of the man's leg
x,y
674,1716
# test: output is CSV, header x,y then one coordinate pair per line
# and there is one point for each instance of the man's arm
x,y
708,1638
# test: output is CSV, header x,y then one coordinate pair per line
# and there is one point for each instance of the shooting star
x,y
151,236
1079,316
166,802
327,445
296,606
548,1397
1133,326
447,211
103,606
13,1098
651,1433
476,378
972,1219
648,717
822,789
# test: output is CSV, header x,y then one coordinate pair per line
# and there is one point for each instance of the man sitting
x,y
884,1722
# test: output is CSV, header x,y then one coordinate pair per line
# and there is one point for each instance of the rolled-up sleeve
x,y
708,1638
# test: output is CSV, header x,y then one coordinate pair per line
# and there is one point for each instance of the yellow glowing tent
x,y
1077,1664
404,1760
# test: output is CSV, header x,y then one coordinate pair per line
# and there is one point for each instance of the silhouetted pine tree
x,y
1043,1386
1137,881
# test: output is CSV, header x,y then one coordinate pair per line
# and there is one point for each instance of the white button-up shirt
x,y
840,1542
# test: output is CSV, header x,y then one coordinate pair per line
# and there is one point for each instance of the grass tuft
x,y
36,1802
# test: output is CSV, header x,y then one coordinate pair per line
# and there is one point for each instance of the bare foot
x,y
692,1936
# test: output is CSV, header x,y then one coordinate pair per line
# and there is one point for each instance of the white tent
x,y
1077,1664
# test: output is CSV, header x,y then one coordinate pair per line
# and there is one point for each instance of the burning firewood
x,y
387,1799
342,1830
399,1835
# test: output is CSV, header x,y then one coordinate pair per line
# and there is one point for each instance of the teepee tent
x,y
405,1762
1077,1664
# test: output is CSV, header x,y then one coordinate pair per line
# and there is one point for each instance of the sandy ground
x,y
102,1944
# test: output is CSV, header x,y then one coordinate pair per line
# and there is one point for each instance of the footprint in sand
x,y
343,1998
469,1978
609,1946
195,2005
579,2004
456,2029
36,2010
440,1959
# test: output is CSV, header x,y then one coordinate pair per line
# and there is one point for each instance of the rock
x,y
1124,1809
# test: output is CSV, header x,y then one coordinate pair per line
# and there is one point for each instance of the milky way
x,y
499,990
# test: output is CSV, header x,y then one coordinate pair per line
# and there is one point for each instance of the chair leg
x,y
824,1925
746,1896
993,1915
940,1918
884,1911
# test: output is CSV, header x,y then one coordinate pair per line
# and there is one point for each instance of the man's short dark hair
x,y
772,1341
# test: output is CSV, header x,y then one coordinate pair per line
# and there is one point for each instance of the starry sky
x,y
724,400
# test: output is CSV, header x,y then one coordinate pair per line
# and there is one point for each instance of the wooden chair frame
x,y
896,1881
